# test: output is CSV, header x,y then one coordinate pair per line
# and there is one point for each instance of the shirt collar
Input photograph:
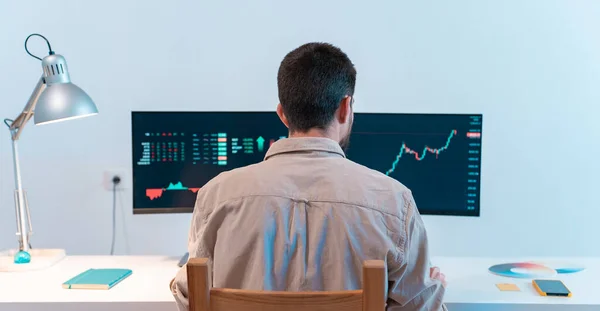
x,y
304,144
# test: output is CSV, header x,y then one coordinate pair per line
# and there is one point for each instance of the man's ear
x,y
282,115
345,110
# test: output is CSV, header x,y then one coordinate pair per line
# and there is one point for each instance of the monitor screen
x,y
437,156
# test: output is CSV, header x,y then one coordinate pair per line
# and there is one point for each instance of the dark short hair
x,y
312,81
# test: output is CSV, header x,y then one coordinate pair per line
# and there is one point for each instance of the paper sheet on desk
x,y
40,259
506,287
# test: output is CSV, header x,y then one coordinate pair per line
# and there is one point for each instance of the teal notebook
x,y
97,279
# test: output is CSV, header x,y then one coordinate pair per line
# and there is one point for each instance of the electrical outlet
x,y
107,182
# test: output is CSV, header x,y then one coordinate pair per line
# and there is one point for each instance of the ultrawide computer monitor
x,y
437,156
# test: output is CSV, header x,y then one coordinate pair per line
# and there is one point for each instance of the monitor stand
x,y
183,260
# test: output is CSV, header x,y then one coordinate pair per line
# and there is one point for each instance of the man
x,y
306,218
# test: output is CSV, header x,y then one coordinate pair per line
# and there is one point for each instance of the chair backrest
x,y
203,298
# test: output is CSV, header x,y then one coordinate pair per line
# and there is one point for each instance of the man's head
x,y
316,91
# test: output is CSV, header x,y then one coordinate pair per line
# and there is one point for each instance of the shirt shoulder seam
x,y
320,201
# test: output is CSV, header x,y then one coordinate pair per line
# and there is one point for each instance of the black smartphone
x,y
551,288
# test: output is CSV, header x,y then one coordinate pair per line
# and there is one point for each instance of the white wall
x,y
531,67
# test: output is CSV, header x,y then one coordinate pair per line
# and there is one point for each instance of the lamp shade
x,y
63,101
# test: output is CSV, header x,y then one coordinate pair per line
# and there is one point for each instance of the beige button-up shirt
x,y
304,220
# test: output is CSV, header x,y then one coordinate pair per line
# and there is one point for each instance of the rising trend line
x,y
404,149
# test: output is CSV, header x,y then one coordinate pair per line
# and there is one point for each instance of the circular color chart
x,y
562,267
525,270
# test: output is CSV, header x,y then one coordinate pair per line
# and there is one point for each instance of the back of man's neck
x,y
311,133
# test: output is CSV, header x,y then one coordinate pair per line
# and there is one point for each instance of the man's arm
x,y
411,286
179,285
179,289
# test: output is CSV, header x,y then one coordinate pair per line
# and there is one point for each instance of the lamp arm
x,y
17,125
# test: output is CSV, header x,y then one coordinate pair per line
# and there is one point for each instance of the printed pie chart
x,y
562,267
524,270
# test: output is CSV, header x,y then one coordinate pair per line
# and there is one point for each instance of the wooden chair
x,y
204,298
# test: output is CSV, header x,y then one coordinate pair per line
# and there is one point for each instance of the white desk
x,y
470,286
146,289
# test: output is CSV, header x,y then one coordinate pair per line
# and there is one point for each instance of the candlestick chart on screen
x,y
437,157
419,157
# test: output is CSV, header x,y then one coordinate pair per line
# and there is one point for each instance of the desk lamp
x,y
53,99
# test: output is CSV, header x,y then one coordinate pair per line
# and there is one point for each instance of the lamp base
x,y
40,259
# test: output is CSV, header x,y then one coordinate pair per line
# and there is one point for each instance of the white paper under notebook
x,y
40,259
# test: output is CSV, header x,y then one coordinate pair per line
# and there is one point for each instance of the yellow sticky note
x,y
508,287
